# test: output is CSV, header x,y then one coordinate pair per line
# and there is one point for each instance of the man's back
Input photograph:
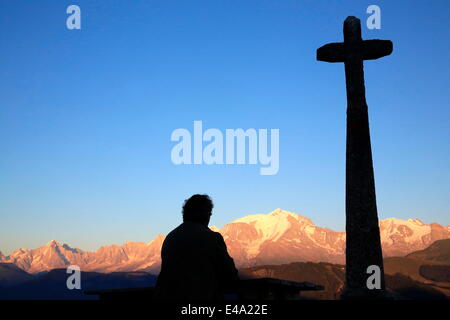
x,y
195,264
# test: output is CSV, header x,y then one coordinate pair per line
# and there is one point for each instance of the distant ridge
x,y
438,251
11,275
277,237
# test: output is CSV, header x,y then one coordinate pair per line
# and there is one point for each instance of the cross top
x,y
353,46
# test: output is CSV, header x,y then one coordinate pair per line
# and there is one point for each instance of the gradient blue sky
x,y
86,116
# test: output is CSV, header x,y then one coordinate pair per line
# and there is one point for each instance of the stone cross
x,y
363,245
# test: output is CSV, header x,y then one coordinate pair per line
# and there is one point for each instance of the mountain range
x,y
421,275
275,238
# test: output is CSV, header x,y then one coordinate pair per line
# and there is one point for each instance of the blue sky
x,y
86,115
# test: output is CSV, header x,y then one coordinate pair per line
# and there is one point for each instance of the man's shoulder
x,y
213,234
216,234
192,227
175,231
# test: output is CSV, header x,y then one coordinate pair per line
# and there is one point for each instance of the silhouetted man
x,y
195,261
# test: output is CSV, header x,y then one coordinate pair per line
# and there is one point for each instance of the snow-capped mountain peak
x,y
400,236
273,225
416,221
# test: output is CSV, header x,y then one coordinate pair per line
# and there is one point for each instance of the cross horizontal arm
x,y
370,49
331,52
374,49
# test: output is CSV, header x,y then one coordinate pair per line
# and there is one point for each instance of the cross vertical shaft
x,y
363,245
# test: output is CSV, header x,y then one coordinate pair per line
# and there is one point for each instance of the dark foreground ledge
x,y
254,289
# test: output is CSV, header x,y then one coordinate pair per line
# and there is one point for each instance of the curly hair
x,y
197,208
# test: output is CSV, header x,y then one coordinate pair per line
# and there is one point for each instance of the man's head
x,y
198,208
